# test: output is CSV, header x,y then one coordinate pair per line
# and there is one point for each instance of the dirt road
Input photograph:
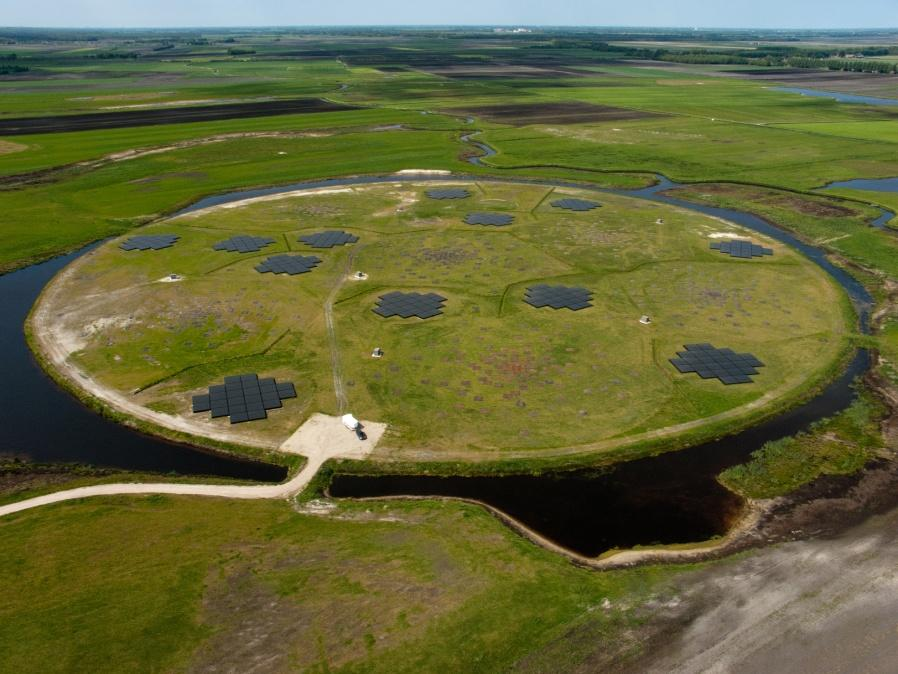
x,y
321,438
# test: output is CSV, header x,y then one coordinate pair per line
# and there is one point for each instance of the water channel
x,y
669,498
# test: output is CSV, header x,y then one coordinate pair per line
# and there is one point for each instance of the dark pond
x,y
41,422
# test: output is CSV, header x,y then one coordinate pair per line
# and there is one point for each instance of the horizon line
x,y
456,25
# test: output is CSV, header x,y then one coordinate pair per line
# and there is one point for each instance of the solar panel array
x,y
149,242
570,204
558,297
244,397
448,193
741,248
244,244
724,364
492,219
288,264
328,239
406,305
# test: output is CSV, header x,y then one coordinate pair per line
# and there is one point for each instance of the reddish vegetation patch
x,y
510,363
520,114
806,205
812,207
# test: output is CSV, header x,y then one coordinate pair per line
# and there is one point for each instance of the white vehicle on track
x,y
354,425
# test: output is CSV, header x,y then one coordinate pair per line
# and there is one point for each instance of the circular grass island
x,y
511,324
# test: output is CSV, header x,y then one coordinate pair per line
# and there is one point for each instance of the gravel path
x,y
319,439
339,391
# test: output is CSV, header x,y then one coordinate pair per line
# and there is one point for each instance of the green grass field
x,y
779,139
491,373
404,587
160,584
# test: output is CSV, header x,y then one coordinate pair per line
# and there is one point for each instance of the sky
x,y
667,13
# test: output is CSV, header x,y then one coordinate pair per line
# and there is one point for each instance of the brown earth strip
x,y
825,80
7,147
197,113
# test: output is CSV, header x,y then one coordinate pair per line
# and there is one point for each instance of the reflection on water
x,y
866,184
837,96
42,423
669,498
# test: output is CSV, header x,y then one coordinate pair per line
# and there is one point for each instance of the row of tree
x,y
848,65
858,65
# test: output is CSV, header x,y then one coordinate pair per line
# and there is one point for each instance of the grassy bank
x,y
840,445
179,583
20,480
834,224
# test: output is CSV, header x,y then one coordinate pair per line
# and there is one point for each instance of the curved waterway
x,y
869,185
669,498
40,422
865,185
840,97
664,499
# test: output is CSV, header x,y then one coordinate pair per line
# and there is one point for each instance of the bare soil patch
x,y
6,147
823,600
521,114
820,605
196,113
826,80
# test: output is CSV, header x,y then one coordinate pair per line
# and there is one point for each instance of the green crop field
x,y
490,373
316,584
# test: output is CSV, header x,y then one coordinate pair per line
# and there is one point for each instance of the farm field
x,y
635,119
490,387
